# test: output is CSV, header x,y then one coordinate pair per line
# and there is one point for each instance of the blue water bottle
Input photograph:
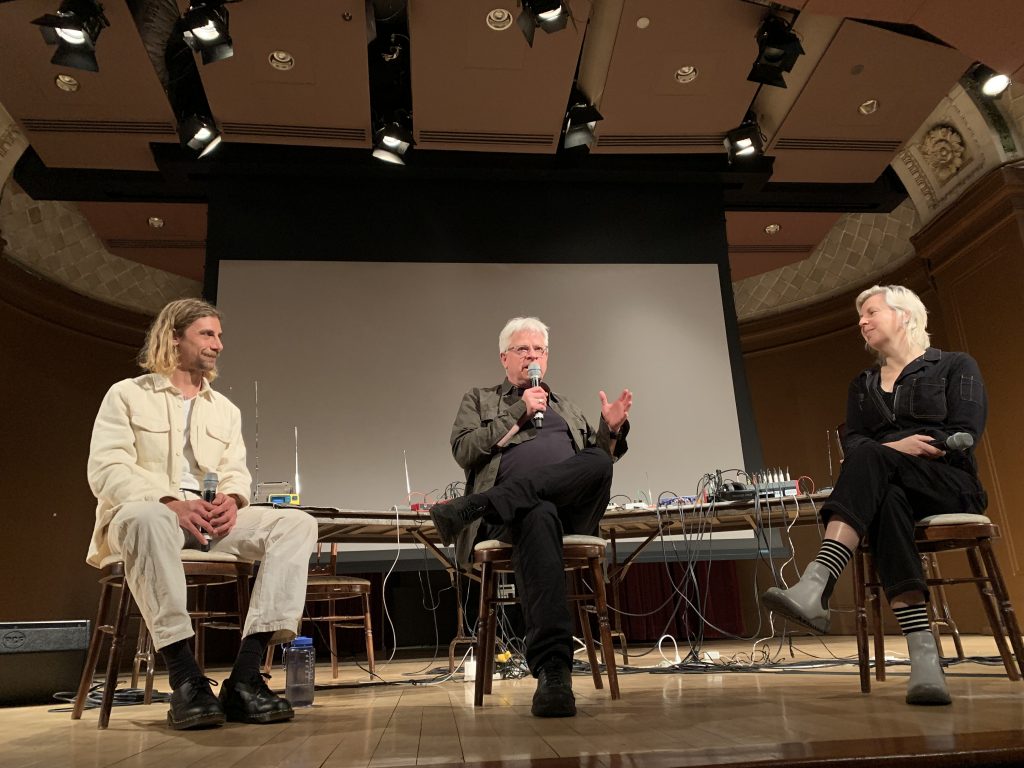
x,y
299,672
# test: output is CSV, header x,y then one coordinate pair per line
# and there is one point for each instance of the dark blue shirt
x,y
551,444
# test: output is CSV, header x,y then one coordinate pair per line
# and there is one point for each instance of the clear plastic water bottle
x,y
300,672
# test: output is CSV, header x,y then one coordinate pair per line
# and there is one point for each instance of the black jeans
x,y
535,512
882,493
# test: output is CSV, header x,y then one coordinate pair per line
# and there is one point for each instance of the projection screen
x,y
368,361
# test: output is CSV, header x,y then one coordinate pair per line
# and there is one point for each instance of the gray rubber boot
x,y
806,602
927,681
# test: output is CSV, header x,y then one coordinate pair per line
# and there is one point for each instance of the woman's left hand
x,y
917,445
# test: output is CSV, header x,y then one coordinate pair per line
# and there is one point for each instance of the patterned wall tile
x,y
54,240
859,248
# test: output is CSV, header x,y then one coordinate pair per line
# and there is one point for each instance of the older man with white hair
x,y
529,482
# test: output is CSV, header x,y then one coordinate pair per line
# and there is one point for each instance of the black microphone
x,y
958,441
534,373
210,482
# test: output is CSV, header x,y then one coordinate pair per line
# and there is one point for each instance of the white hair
x,y
915,316
517,325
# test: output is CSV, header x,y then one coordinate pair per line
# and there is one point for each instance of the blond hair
x,y
159,355
909,303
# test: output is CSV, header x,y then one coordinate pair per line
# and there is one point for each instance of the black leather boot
x,y
193,705
450,517
253,702
553,697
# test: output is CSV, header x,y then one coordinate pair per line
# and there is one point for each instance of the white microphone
x,y
534,373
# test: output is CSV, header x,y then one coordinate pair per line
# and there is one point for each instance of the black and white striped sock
x,y
913,618
833,556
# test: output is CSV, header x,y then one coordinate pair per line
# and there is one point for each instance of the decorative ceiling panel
x,y
479,89
323,100
645,107
826,137
112,117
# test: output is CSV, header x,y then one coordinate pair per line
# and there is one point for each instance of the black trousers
x,y
533,513
882,493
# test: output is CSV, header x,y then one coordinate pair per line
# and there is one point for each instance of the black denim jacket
x,y
938,394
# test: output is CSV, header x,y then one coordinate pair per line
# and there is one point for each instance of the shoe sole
x,y
929,698
570,712
267,717
199,721
779,604
929,702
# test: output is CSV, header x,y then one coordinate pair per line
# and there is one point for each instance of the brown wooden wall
x,y
60,352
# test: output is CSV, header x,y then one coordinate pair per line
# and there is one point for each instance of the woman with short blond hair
x,y
901,466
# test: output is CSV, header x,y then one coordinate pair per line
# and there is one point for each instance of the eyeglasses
x,y
524,350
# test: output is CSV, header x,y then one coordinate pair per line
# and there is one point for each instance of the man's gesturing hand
x,y
616,412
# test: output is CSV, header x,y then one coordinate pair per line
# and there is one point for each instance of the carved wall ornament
x,y
943,149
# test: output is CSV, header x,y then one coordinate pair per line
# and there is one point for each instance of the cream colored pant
x,y
147,536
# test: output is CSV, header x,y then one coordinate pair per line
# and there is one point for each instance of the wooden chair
x,y
202,570
326,586
582,555
973,534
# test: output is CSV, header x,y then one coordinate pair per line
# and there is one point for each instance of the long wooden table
x,y
646,524
375,526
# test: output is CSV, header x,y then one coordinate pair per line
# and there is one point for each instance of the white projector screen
x,y
369,362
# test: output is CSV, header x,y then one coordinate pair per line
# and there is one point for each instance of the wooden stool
x,y
325,586
580,554
330,590
974,535
202,569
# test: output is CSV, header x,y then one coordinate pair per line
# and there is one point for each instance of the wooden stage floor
x,y
770,718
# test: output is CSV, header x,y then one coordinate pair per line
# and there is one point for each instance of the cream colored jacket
x,y
137,441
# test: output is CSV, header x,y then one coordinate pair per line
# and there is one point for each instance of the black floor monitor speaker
x,y
40,658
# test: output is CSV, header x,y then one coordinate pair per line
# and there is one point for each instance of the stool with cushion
x,y
973,534
582,555
202,570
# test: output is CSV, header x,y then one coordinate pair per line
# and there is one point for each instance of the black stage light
x,y
745,140
199,133
391,141
990,82
778,48
74,29
580,122
549,15
205,30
